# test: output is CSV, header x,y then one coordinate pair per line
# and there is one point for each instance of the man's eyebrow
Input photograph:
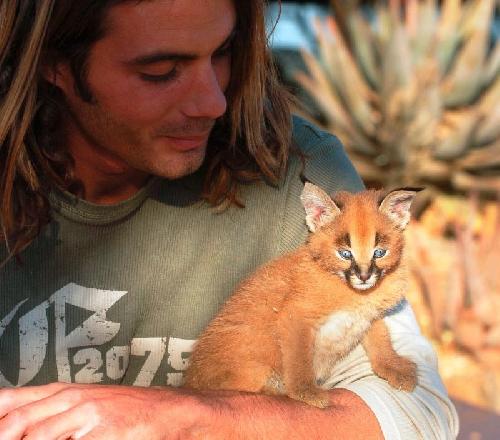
x,y
159,56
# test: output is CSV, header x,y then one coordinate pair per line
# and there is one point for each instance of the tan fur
x,y
287,325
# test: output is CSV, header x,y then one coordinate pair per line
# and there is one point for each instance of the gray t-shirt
x,y
118,294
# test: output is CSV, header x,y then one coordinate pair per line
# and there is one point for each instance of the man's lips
x,y
185,143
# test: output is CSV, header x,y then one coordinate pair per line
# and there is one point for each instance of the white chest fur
x,y
340,333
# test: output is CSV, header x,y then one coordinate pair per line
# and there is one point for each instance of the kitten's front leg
x,y
400,372
297,348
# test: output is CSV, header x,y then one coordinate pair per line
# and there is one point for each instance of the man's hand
x,y
61,411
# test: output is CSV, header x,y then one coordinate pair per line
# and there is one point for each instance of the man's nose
x,y
206,97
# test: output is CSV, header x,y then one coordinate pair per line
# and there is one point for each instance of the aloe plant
x,y
454,250
413,93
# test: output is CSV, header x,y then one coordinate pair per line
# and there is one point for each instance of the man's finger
x,y
12,398
74,423
18,421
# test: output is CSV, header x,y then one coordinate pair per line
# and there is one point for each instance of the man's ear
x,y
320,208
59,75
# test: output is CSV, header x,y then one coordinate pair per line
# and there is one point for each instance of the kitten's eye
x,y
379,253
345,254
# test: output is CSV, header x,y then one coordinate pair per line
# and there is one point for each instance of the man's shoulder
x,y
307,136
326,162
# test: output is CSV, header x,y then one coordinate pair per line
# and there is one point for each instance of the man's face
x,y
158,78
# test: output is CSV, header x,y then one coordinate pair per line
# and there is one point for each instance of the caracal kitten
x,y
286,326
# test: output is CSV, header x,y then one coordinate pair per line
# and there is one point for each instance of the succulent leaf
x,y
415,96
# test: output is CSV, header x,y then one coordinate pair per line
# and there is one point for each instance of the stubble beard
x,y
176,167
117,139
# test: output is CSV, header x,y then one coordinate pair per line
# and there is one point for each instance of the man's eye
x,y
345,254
224,51
169,76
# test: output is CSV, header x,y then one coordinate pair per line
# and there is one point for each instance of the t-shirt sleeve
x,y
425,413
326,162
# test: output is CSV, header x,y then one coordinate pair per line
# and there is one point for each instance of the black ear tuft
x,y
411,188
384,194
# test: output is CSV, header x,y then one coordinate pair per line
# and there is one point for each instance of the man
x,y
123,124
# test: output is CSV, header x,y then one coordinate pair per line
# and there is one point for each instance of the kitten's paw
x,y
314,397
401,374
274,385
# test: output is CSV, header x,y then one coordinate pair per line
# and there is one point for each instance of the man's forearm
x,y
115,412
243,416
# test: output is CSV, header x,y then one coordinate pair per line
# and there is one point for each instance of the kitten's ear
x,y
320,208
396,205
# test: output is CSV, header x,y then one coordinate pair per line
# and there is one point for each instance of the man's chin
x,y
180,167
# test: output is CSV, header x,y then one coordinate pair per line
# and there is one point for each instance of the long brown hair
x,y
250,142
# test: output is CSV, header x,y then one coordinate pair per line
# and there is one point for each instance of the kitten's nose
x,y
363,273
363,276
